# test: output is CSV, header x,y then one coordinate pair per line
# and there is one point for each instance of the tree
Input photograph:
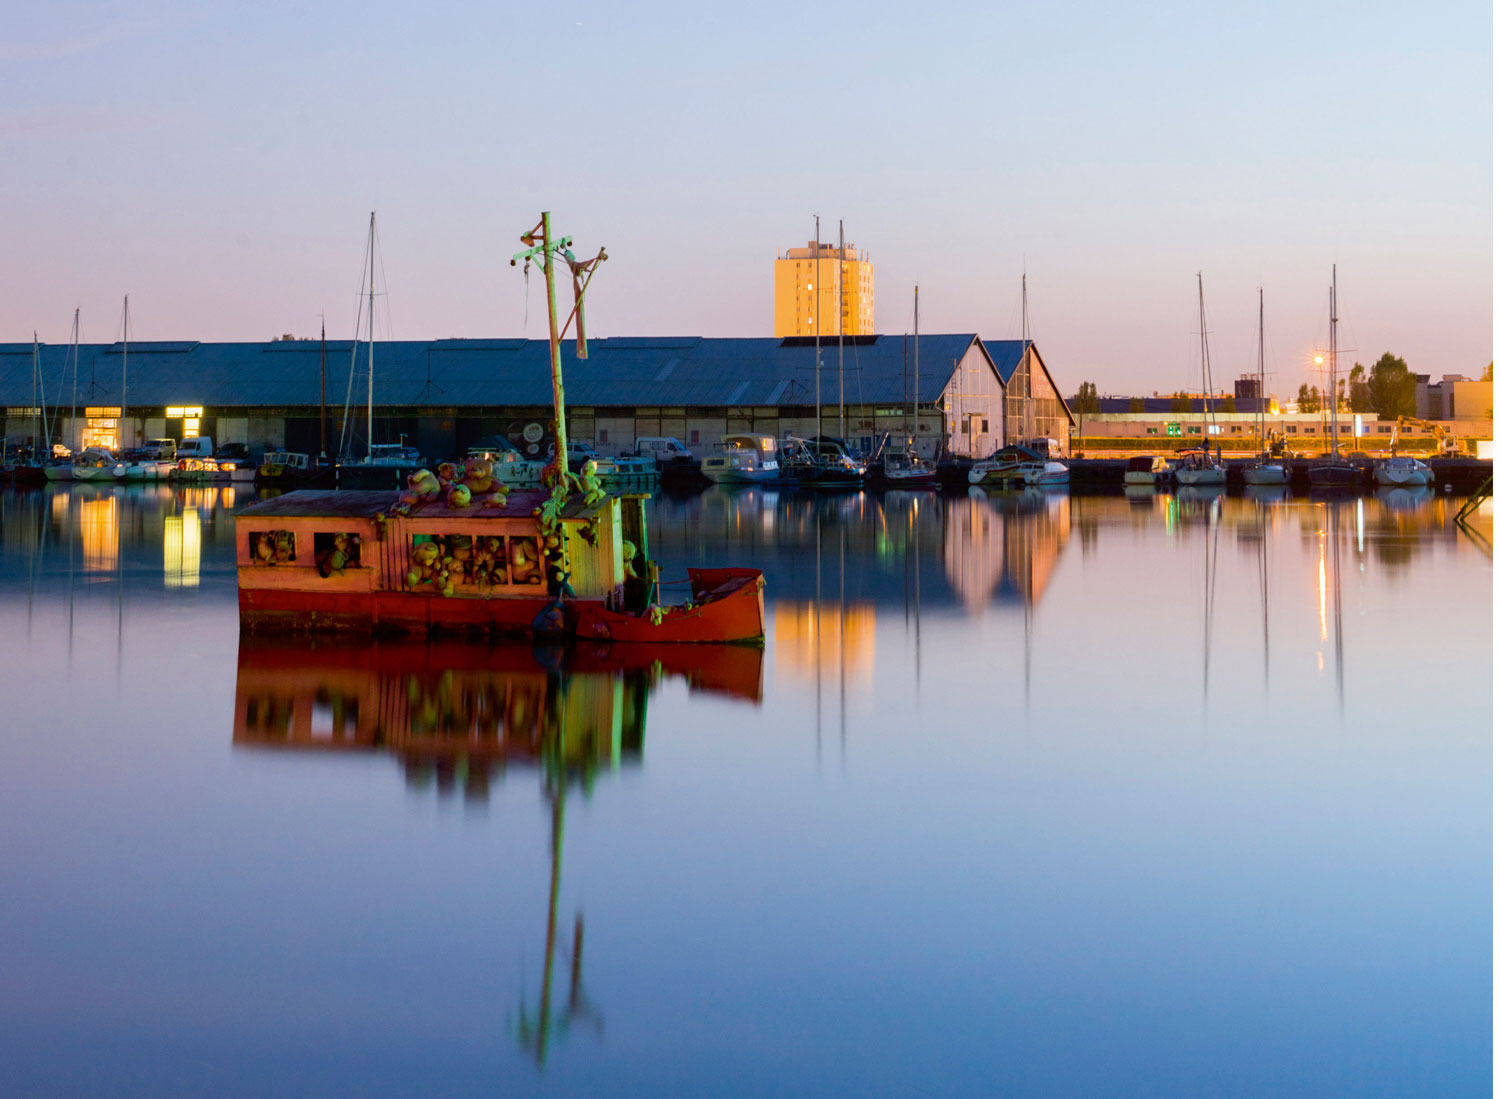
x,y
1181,402
1359,390
1137,404
1393,388
1086,401
1489,373
1227,404
1308,399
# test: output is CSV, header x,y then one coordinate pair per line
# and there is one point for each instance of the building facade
x,y
949,393
822,291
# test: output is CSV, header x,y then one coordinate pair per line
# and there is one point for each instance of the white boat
x,y
1017,467
1146,469
1266,472
1197,466
903,469
1403,473
743,459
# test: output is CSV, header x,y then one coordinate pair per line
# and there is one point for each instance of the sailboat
x,y
1264,471
32,469
1196,466
62,469
99,469
1334,471
384,465
823,461
904,468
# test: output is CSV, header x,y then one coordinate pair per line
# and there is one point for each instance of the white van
x,y
665,449
200,446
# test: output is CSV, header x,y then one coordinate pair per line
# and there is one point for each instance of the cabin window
x,y
335,551
273,547
463,562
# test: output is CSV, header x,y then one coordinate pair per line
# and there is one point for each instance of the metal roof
x,y
620,371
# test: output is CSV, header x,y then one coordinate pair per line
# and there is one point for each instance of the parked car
x,y
238,452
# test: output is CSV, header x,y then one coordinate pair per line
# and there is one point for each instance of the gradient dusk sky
x,y
218,162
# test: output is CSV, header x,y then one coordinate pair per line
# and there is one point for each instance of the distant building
x,y
1246,388
808,292
972,396
1453,398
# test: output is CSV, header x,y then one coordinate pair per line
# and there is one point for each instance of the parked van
x,y
200,446
665,449
164,450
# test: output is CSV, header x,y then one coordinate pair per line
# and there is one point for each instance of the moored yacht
x,y
744,459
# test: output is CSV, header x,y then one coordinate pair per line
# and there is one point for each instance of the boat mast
x,y
916,366
370,393
73,419
1026,425
1333,358
1260,359
36,410
1206,372
817,329
323,392
843,432
124,359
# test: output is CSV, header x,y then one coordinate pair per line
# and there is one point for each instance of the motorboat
x,y
744,459
1146,469
508,465
1264,471
1399,472
1197,466
903,469
283,465
820,464
1017,467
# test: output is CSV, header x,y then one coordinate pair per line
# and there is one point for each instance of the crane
x,y
1447,445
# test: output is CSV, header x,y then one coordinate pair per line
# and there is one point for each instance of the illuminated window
x,y
190,427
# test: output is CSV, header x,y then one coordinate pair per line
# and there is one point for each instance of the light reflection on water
x,y
1030,794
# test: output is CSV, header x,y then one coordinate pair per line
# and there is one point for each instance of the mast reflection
x,y
463,714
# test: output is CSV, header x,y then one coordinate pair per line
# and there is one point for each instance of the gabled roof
x,y
621,371
1006,355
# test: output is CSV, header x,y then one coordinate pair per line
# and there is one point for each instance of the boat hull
x,y
1196,477
1336,476
1266,475
1403,478
728,605
731,476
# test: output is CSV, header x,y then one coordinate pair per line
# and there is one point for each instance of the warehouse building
x,y
442,396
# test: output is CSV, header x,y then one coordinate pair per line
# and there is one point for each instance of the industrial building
x,y
822,290
442,396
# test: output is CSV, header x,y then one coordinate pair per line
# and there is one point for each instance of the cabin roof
x,y
346,504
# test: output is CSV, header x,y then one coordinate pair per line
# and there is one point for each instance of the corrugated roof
x,y
620,371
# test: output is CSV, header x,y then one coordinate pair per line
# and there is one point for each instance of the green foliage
x,y
1086,401
1307,398
1359,390
1137,404
1181,402
1489,373
1393,388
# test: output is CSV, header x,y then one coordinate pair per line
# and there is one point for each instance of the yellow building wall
x,y
807,297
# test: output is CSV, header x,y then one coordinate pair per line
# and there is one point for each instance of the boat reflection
x,y
458,715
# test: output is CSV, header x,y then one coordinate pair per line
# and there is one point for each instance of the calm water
x,y
1038,796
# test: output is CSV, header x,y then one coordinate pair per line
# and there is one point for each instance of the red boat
x,y
351,562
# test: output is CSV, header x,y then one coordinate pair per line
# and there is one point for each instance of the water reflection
x,y
459,717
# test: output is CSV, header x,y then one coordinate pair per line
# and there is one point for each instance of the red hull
x,y
727,606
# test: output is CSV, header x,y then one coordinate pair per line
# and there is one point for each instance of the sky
x,y
219,163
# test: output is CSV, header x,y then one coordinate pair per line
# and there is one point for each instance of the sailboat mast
x,y
1204,373
370,391
916,366
843,432
73,419
124,361
1333,358
323,392
36,411
1260,363
817,328
1026,427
